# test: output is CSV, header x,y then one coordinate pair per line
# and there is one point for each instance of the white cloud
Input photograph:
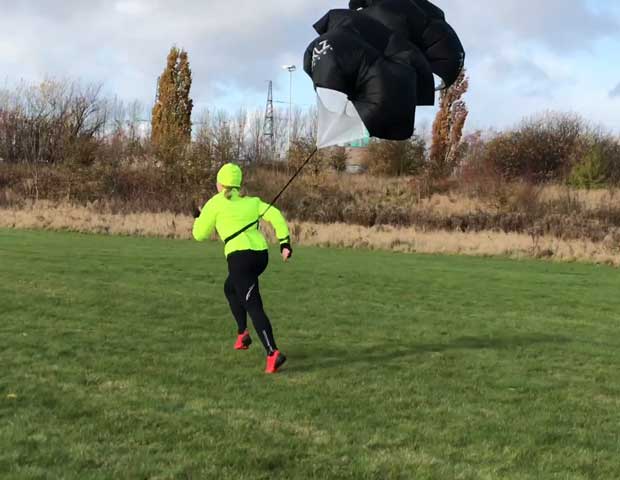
x,y
9,51
131,7
615,93
520,52
560,25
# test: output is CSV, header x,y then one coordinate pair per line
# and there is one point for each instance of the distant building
x,y
356,159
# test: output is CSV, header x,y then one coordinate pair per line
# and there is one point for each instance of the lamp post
x,y
290,69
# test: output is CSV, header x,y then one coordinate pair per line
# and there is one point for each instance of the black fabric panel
x,y
424,25
355,4
386,99
394,14
400,50
384,92
444,51
431,10
395,47
369,29
338,57
383,58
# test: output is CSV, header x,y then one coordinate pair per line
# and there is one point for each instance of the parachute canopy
x,y
373,63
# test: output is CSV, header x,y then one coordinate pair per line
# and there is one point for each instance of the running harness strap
x,y
244,229
257,221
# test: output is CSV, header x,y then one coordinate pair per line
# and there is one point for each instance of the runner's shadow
x,y
306,361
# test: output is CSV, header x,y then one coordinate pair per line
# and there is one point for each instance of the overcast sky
x,y
524,56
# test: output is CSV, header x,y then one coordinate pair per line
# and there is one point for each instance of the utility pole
x,y
290,69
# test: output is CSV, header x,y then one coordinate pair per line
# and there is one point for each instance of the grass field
x,y
116,362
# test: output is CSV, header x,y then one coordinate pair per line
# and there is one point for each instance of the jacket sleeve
x,y
205,223
275,217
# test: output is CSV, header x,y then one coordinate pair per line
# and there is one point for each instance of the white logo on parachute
x,y
317,53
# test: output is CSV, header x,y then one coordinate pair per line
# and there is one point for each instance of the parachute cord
x,y
257,221
290,181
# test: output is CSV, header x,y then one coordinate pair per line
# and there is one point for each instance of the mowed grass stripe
x,y
117,362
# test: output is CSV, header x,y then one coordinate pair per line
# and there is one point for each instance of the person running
x,y
236,220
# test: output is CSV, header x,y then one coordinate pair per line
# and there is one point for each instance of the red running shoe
x,y
243,341
274,362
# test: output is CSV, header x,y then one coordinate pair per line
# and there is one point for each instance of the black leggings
x,y
243,294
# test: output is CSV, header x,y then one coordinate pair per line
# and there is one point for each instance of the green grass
x,y
116,362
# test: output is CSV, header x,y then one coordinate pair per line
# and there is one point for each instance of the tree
x,y
171,120
397,158
446,151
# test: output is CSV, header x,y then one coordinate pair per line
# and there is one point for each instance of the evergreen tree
x,y
171,119
185,103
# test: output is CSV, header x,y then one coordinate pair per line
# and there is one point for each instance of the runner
x,y
236,220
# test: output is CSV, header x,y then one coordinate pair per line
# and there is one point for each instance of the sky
x,y
524,57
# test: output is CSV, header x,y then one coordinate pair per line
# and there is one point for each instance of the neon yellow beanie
x,y
230,175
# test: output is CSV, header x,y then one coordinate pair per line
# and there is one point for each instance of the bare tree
x,y
257,145
239,128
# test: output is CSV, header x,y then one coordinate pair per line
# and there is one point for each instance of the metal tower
x,y
268,132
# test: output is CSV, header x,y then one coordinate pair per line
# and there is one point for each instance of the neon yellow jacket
x,y
228,216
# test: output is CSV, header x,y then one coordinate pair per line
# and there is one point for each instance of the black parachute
x,y
382,55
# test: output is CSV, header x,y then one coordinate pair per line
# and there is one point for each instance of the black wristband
x,y
287,246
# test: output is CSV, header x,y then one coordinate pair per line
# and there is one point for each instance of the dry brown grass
x,y
486,243
51,216
589,199
90,219
327,197
403,191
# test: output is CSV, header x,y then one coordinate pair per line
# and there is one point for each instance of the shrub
x,y
540,150
590,171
